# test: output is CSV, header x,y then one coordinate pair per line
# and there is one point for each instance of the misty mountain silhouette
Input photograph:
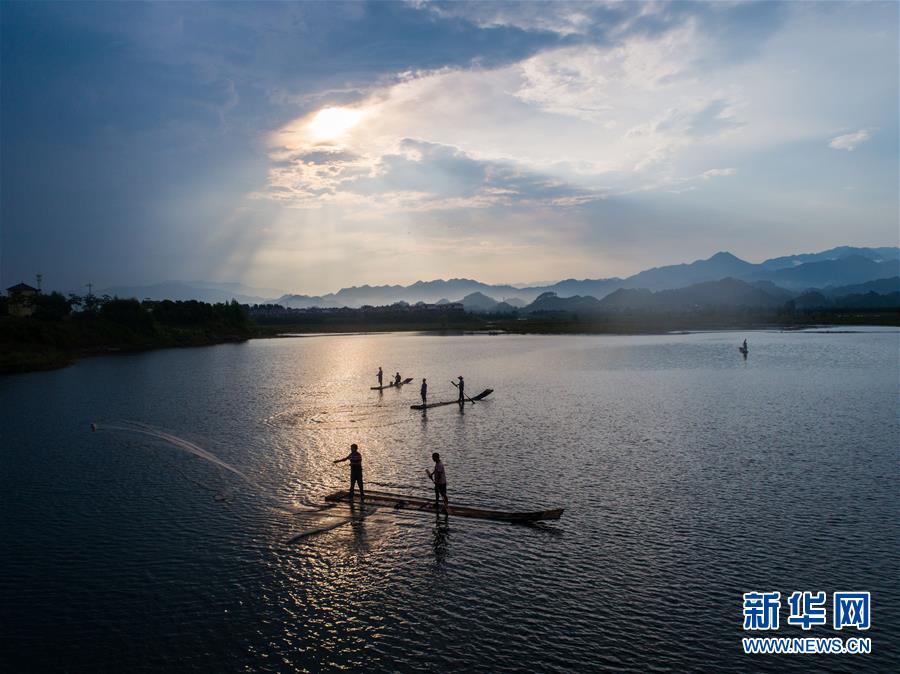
x,y
781,277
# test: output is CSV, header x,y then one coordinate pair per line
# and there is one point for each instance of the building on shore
x,y
21,299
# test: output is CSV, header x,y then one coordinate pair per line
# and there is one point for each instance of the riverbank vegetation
x,y
63,329
560,323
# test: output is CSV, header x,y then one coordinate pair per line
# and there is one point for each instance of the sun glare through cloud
x,y
331,123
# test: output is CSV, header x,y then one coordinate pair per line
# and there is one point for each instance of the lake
x,y
689,476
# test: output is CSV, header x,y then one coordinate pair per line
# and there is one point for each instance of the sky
x,y
311,146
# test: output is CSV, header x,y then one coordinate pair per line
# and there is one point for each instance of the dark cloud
x,y
445,172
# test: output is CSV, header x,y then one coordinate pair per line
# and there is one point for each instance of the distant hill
x,y
874,254
627,299
728,293
204,291
815,299
720,265
869,301
478,303
550,302
782,277
773,290
884,286
420,291
593,287
843,271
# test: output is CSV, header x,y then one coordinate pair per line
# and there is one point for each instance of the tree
x,y
129,313
52,307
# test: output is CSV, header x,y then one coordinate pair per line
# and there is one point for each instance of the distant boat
x,y
401,502
744,349
484,394
391,385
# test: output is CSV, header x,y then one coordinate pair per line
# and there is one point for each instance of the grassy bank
x,y
27,344
55,336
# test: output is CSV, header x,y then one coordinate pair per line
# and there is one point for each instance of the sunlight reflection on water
x,y
685,472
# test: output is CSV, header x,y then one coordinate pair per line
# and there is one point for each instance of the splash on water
x,y
196,450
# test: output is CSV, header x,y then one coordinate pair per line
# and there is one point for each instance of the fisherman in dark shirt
x,y
380,375
424,392
355,459
462,389
397,379
439,477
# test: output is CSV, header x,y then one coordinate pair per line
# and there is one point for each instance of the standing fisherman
x,y
462,389
355,459
439,477
424,392
380,375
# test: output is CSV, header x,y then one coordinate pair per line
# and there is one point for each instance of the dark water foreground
x,y
689,476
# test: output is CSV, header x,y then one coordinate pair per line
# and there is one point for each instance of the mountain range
x,y
781,277
835,267
724,294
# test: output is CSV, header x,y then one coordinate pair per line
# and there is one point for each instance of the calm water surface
x,y
688,474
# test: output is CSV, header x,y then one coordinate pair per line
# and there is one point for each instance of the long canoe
x,y
401,502
481,396
391,385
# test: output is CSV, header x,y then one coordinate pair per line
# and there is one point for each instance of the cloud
x,y
647,107
564,18
499,124
414,176
849,141
562,127
714,173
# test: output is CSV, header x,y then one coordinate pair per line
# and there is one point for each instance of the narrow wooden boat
x,y
481,396
391,385
402,502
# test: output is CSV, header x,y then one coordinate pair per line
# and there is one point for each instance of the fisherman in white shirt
x,y
439,477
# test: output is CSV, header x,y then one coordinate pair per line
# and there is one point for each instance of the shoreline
x,y
31,360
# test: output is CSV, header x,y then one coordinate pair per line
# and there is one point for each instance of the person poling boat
x,y
380,376
462,390
439,477
356,473
424,392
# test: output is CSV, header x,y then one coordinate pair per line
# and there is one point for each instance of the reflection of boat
x,y
484,394
392,385
401,502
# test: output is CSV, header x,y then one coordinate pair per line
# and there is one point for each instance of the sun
x,y
331,123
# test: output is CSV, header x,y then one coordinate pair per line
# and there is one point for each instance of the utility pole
x,y
90,287
39,277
